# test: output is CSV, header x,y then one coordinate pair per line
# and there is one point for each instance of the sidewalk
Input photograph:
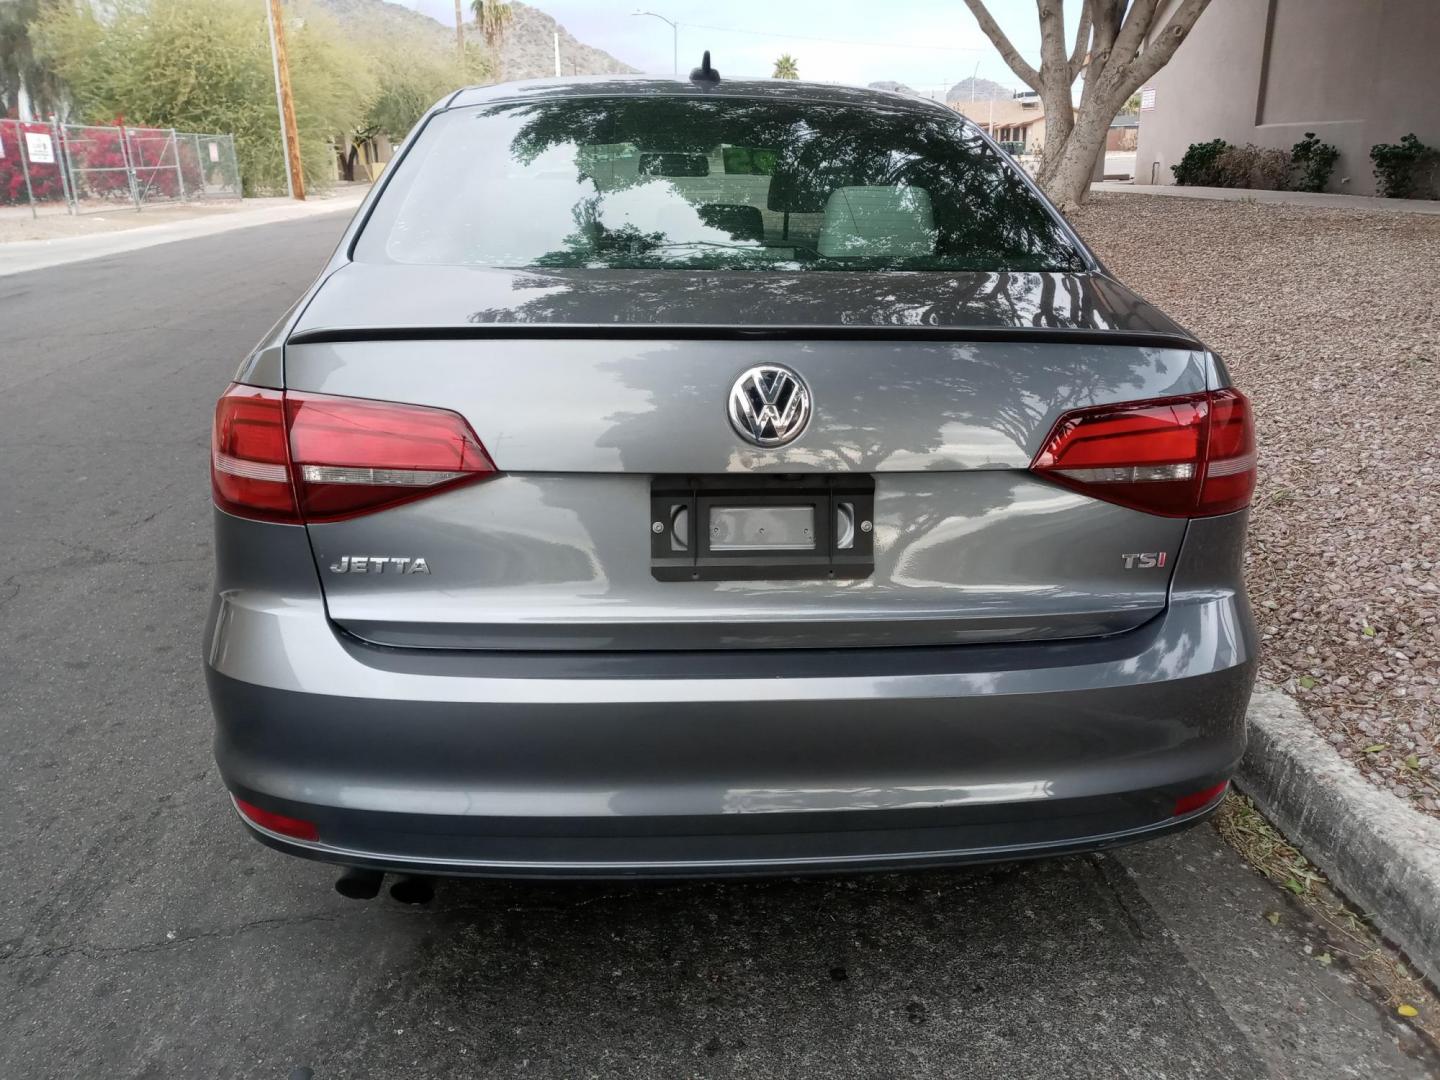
x,y
1294,198
122,231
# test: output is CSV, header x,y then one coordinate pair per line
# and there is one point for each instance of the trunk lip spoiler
x,y
732,332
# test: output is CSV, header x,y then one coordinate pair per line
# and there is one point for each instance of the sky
x,y
927,44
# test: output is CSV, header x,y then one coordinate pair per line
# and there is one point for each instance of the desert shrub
x,y
1314,161
1251,166
1407,169
1197,168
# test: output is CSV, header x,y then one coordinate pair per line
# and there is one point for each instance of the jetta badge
x,y
769,405
380,564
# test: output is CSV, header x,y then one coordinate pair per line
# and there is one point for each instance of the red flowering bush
x,y
45,180
98,161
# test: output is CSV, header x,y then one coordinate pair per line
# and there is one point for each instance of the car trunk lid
x,y
592,394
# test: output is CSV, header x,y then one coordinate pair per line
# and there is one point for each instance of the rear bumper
x,y
678,764
776,845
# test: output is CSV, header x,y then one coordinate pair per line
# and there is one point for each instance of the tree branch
x,y
1163,44
1082,42
1028,75
1053,62
1131,38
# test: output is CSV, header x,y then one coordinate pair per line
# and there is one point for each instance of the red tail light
x,y
352,456
312,457
1191,456
249,465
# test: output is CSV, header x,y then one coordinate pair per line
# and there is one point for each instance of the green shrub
x,y
1315,161
204,65
1407,169
1198,167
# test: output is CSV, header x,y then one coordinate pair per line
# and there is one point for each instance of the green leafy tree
x,y
204,65
786,68
404,92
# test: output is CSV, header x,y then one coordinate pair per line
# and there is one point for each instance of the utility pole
x,y
674,36
460,33
294,178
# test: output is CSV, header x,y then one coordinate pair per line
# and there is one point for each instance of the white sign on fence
x,y
214,151
40,148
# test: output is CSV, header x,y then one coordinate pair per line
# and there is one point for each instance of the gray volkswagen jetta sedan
x,y
699,476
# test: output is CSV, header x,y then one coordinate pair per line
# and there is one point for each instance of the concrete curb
x,y
1381,853
1261,195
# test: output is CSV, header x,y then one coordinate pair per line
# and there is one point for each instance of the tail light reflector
x,y
278,823
1190,456
1197,799
287,456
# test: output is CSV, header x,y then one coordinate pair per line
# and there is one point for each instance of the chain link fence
x,y
92,168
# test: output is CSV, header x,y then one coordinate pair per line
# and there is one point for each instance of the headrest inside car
x,y
889,221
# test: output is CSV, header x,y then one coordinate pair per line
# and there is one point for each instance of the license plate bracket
x,y
708,528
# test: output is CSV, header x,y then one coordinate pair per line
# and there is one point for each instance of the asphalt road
x,y
142,934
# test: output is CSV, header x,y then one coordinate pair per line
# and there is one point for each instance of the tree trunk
x,y
1119,48
1069,181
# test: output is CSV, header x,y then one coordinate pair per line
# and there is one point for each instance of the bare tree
x,y
1119,45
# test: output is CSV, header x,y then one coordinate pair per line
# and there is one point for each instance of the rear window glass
x,y
732,184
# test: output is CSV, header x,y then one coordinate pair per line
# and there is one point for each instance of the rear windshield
x,y
730,184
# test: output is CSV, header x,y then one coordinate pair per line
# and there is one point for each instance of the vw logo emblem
x,y
769,405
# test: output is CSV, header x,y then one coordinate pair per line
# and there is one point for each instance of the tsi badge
x,y
1144,560
379,564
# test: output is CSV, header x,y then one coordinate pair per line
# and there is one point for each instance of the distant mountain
x,y
527,52
394,24
984,91
893,87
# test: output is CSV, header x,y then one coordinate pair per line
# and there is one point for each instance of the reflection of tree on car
x,y
983,213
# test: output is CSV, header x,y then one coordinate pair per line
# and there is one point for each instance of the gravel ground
x,y
1330,320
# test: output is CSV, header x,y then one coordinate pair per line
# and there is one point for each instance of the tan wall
x,y
1355,72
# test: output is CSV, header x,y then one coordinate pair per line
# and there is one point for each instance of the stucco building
x,y
1018,120
1355,72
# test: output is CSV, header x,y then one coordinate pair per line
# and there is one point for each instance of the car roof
x,y
668,86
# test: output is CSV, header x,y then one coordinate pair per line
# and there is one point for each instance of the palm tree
x,y
493,18
786,68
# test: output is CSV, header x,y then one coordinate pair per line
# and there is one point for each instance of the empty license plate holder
x,y
719,528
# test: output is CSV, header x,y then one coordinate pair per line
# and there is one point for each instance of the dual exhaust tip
x,y
358,883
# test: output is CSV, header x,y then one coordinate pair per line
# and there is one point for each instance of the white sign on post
x,y
39,148
214,151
